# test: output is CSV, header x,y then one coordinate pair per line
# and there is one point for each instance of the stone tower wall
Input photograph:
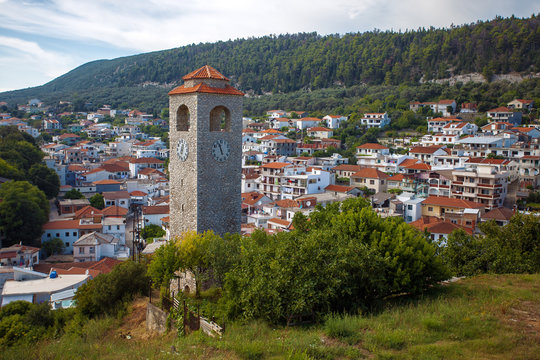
x,y
205,193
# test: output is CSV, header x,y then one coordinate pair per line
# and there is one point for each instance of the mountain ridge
x,y
291,62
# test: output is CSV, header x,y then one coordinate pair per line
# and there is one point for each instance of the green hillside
x,y
286,63
484,317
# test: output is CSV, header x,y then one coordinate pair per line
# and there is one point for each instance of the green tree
x,y
107,293
53,246
45,179
165,262
152,231
97,201
23,211
73,194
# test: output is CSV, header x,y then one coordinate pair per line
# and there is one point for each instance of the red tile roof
x,y
146,160
372,146
251,198
419,166
425,149
114,211
501,213
488,161
371,173
137,193
275,165
280,222
153,210
87,210
500,109
106,182
205,72
319,128
437,226
339,188
346,167
451,202
203,88
113,195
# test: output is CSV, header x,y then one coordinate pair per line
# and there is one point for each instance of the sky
x,y
43,39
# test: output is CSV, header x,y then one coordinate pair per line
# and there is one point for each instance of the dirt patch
x,y
134,323
525,317
333,342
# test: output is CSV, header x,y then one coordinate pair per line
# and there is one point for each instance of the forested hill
x,y
287,63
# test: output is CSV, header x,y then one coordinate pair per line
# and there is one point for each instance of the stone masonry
x,y
205,193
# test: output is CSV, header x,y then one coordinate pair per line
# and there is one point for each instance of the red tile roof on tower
x,y
371,173
205,72
203,88
372,146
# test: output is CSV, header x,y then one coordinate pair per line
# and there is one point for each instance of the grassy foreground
x,y
485,317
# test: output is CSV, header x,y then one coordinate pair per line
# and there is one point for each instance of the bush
x,y
106,293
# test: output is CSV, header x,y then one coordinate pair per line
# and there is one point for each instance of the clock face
x,y
221,150
182,149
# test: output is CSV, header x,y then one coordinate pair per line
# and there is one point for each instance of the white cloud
x,y
25,63
146,25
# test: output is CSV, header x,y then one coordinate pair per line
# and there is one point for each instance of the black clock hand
x,y
220,149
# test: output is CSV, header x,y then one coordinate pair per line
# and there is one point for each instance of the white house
x,y
307,122
154,214
334,121
40,290
371,120
95,246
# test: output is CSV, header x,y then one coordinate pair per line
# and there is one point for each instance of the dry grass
x,y
486,317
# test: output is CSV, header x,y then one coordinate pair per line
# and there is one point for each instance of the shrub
x,y
106,293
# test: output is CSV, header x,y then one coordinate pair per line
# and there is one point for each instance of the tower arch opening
x,y
220,119
182,118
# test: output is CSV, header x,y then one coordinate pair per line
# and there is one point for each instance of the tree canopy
x,y
23,211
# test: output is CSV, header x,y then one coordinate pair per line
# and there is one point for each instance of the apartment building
x,y
484,181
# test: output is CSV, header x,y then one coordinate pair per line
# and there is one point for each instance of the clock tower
x,y
205,165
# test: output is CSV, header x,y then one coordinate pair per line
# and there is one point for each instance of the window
x,y
409,207
81,250
182,118
109,227
372,182
430,209
67,233
117,227
74,233
92,250
220,119
49,235
57,235
67,244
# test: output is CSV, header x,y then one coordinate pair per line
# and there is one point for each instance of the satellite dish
x,y
308,203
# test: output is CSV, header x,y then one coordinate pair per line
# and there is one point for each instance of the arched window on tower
x,y
182,118
220,119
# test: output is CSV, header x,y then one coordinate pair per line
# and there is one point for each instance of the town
x,y
455,176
